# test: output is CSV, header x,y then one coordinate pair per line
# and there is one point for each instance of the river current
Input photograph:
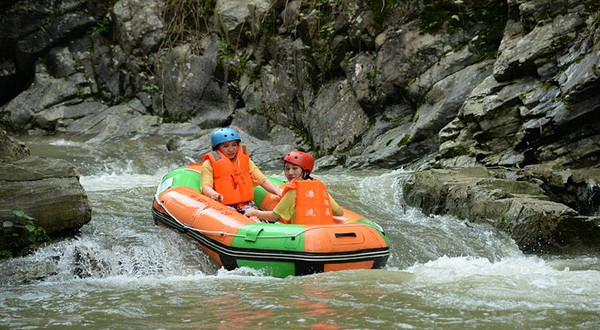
x,y
123,272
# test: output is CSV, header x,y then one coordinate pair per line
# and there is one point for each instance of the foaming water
x,y
416,237
123,271
511,283
126,178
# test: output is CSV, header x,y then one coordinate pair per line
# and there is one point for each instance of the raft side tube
x,y
182,176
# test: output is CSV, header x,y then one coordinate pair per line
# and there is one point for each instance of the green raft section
x,y
256,236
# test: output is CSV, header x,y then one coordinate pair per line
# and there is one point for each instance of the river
x,y
124,272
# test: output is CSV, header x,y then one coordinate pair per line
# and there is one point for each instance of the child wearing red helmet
x,y
301,191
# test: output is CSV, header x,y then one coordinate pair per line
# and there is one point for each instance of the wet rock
x,y
22,272
509,202
86,263
59,117
47,190
11,149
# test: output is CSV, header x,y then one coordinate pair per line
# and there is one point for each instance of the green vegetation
x,y
103,27
152,89
458,150
187,21
568,106
391,120
22,225
404,140
491,15
381,9
225,49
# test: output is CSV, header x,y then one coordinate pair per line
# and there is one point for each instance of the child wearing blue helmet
x,y
228,173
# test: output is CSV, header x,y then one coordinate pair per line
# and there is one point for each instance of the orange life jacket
x,y
313,206
232,179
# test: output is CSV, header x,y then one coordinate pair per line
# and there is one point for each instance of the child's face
x,y
229,148
292,171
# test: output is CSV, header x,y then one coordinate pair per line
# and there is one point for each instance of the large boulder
x,y
515,202
47,190
46,91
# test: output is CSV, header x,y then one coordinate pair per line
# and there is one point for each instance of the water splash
x,y
515,282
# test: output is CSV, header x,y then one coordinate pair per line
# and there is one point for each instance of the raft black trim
x,y
306,262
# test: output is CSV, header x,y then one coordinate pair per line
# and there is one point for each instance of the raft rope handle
x,y
222,233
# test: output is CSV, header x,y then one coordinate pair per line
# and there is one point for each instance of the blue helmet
x,y
223,134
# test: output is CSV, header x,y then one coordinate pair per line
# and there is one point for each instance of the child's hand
x,y
218,197
251,213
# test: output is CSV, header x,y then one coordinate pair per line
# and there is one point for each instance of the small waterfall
x,y
160,252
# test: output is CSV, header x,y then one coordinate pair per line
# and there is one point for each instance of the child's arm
x,y
267,215
211,193
271,187
335,207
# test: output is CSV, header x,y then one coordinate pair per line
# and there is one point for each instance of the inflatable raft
x,y
233,240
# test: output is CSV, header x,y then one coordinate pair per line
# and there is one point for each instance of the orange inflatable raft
x,y
233,240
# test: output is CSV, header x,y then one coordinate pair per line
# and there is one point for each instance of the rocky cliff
x,y
367,83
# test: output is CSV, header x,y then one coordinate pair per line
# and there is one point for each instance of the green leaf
x,y
17,211
30,228
8,224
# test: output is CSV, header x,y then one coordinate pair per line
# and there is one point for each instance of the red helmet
x,y
301,159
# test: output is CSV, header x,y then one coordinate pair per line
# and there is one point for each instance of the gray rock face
x,y
518,55
336,119
138,25
283,90
237,19
192,89
30,28
529,111
44,93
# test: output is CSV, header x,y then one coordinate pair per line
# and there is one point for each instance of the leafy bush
x,y
22,225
